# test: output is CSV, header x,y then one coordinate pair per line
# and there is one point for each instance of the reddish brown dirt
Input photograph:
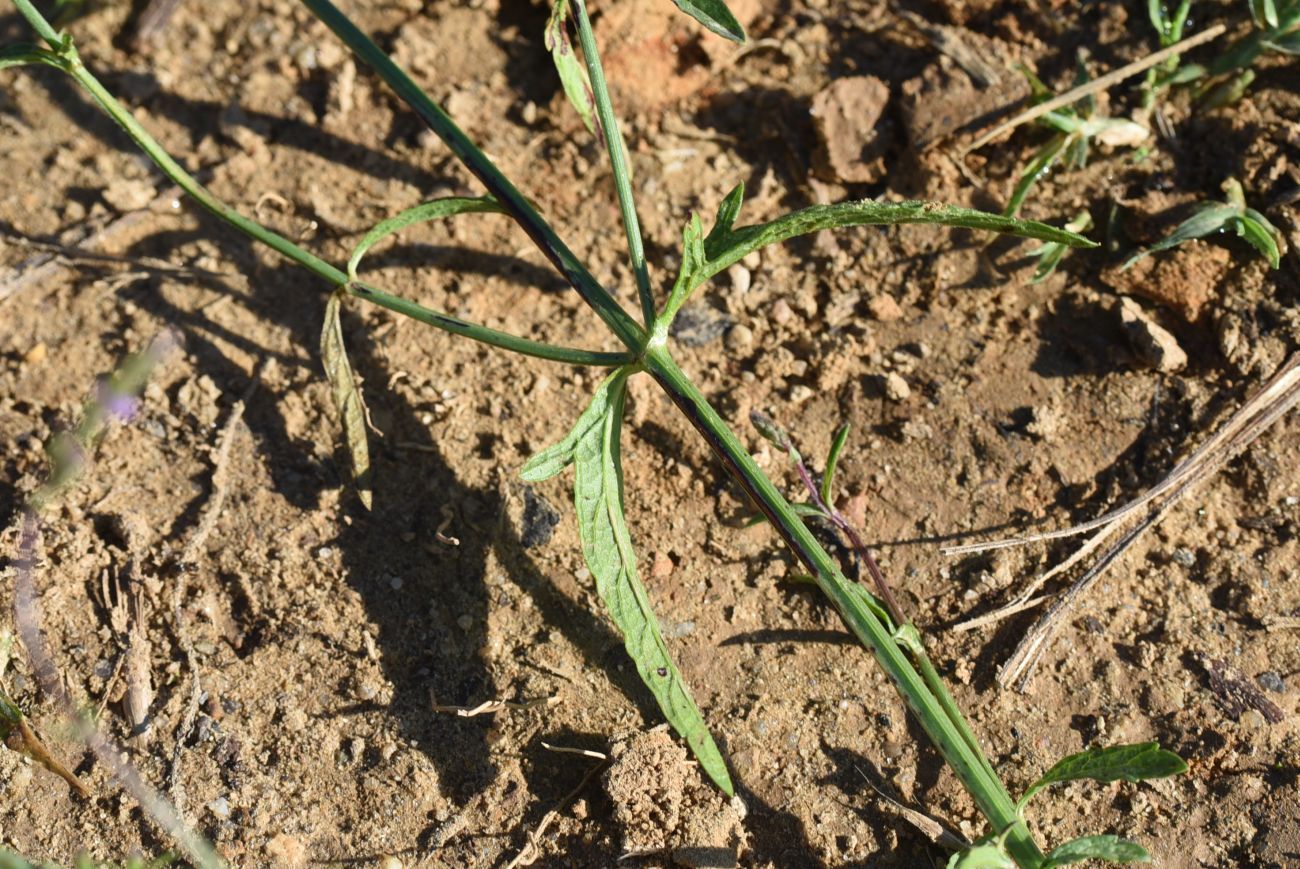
x,y
324,634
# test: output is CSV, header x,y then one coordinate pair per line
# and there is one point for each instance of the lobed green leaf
x,y
426,211
1132,763
607,546
347,397
1110,848
705,256
714,15
554,459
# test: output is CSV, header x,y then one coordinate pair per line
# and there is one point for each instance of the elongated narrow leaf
x,y
833,459
986,856
738,243
21,54
1110,848
725,219
1264,12
426,211
573,75
1030,175
714,15
1139,762
1210,217
554,459
1289,44
347,397
598,496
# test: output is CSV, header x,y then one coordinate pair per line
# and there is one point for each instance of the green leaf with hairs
x,y
554,459
425,211
1113,849
347,397
714,15
607,546
724,246
573,74
1131,763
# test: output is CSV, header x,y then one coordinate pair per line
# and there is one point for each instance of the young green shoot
x,y
1076,130
1209,218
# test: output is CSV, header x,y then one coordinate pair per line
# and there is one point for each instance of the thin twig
x,y
1099,84
532,850
487,707
1278,396
585,752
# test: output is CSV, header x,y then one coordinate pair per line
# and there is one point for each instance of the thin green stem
x,y
617,159
65,57
625,327
962,755
485,335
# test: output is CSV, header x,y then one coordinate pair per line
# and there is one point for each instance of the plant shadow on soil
x,y
423,652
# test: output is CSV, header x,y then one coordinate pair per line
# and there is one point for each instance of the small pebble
x,y
884,308
530,113
466,622
752,260
739,338
395,583
781,312
1184,557
740,279
220,807
36,355
1271,681
896,388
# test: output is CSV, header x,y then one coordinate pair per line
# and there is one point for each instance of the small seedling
x,y
1215,217
1277,29
1169,30
1131,763
593,446
1076,131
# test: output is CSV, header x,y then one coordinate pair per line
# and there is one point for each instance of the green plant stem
x,y
617,159
961,753
66,59
625,327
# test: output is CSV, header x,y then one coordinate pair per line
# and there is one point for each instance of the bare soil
x,y
324,635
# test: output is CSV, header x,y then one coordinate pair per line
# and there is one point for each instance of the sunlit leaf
x,y
593,448
714,15
1132,763
1110,848
556,458
833,459
726,247
425,211
347,397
